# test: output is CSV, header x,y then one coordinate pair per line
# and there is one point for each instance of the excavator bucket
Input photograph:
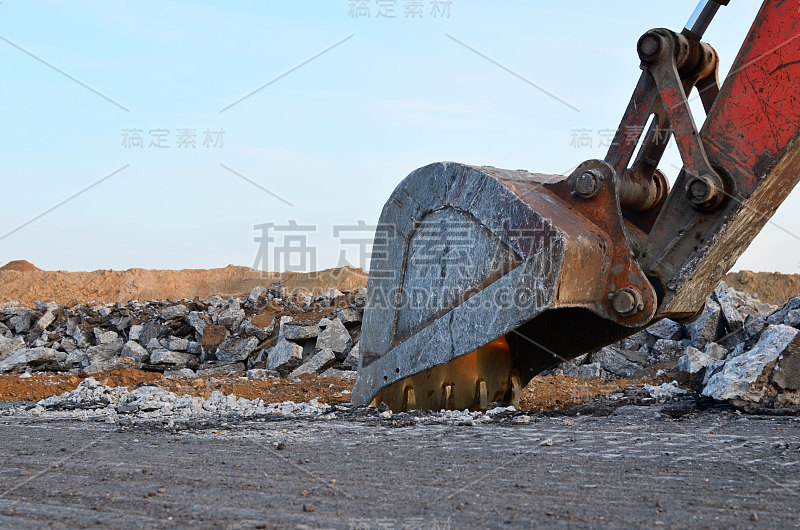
x,y
482,277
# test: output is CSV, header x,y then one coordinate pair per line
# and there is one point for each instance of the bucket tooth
x,y
482,397
449,400
516,388
410,399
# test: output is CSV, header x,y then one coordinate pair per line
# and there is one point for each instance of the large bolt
x,y
650,46
626,301
587,184
702,191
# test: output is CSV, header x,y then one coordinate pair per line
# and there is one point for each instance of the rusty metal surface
x,y
751,134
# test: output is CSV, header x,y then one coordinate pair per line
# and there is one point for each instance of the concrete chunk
x,y
163,356
45,320
174,311
737,377
235,349
135,351
256,294
351,361
667,329
197,322
104,351
706,328
612,360
28,358
135,332
694,360
334,337
285,356
319,362
298,331
232,316
734,321
9,346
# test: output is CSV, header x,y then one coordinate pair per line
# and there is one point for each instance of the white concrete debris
x,y
332,294
135,332
153,402
665,391
93,400
261,373
45,320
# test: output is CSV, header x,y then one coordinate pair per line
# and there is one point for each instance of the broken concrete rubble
x,y
267,333
734,325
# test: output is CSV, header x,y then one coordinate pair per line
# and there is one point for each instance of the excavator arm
x,y
481,278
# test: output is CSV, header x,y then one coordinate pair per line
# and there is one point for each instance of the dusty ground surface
x,y
637,467
22,281
26,283
543,393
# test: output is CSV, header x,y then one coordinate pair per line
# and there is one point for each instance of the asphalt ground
x,y
636,466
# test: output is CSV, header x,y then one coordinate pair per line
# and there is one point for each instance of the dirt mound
x,y
771,287
20,265
120,286
26,283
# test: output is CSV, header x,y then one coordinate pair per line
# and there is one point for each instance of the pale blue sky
x,y
333,138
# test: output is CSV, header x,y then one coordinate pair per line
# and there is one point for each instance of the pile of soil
x,y
771,287
25,283
19,265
